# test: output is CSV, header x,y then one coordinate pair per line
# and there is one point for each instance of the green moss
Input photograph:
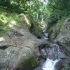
x,y
29,64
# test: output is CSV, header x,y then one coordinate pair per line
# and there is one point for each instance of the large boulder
x,y
17,45
64,35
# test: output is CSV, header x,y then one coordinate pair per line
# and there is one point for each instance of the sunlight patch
x,y
2,39
12,23
44,1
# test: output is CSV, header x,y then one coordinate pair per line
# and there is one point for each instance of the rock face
x,y
16,46
64,35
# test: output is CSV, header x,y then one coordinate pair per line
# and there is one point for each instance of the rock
x,y
53,56
19,45
2,56
53,31
3,59
25,20
3,43
64,35
38,68
63,64
10,51
28,50
20,57
5,56
35,28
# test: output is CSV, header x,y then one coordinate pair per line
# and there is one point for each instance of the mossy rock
x,y
35,28
29,64
25,20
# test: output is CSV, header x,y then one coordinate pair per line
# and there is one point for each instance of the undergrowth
x,y
5,19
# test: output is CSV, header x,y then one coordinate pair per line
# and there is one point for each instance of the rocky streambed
x,y
56,55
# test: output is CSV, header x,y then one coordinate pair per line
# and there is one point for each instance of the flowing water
x,y
44,34
49,64
50,55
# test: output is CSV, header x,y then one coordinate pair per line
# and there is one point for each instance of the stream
x,y
51,57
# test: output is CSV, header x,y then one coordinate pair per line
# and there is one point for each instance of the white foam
x,y
49,64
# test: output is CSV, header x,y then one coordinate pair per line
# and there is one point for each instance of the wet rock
x,y
51,57
39,68
52,32
49,50
62,63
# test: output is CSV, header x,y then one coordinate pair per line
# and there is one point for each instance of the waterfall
x,y
49,64
52,58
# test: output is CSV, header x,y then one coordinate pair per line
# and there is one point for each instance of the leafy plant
x,y
66,68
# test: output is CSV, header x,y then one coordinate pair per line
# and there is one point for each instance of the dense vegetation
x,y
58,10
51,11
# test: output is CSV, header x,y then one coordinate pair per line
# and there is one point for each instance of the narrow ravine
x,y
51,57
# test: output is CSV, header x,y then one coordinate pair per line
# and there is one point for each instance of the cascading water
x,y
49,64
51,58
45,35
48,53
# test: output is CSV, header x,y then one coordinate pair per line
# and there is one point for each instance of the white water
x,y
49,64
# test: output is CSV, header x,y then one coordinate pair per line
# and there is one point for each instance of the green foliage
x,y
35,9
31,7
5,19
15,5
62,5
53,18
58,4
57,9
66,68
51,12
